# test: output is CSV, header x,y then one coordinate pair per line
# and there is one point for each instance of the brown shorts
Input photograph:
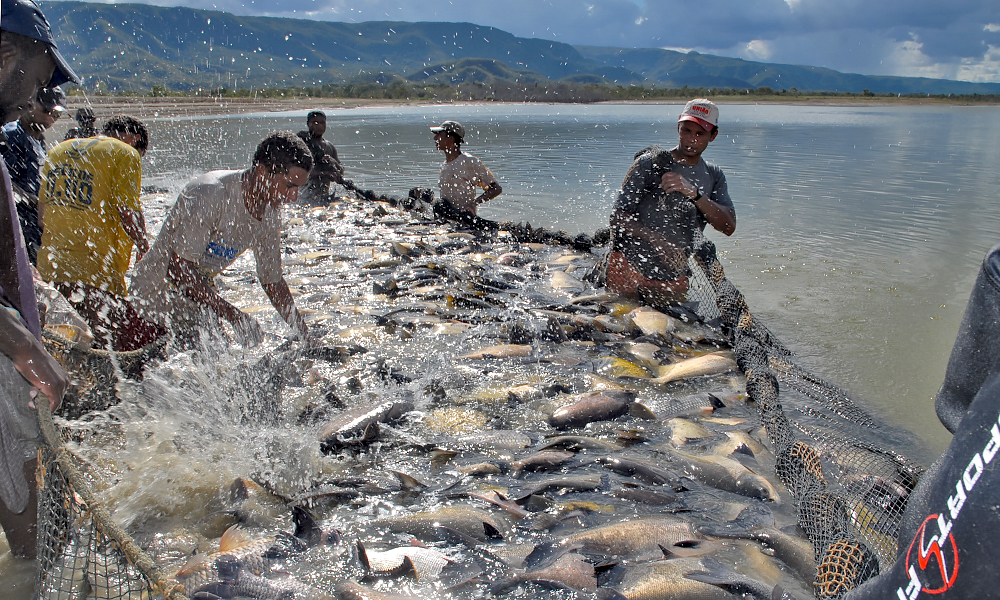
x,y
112,319
623,279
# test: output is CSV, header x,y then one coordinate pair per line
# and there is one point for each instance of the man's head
x,y
130,130
85,116
48,106
316,123
28,57
703,112
448,133
280,165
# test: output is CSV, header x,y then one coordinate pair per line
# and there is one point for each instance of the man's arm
x,y
492,191
186,276
31,360
134,224
722,218
626,224
284,303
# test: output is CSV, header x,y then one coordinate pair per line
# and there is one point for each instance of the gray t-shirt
x,y
671,215
210,226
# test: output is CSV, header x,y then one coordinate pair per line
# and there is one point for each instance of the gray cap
x,y
24,17
452,127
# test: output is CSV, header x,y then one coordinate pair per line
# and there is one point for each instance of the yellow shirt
x,y
84,184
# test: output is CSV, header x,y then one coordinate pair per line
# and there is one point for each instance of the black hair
x,y
315,113
281,150
127,124
458,140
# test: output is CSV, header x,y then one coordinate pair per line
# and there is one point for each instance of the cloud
x,y
883,37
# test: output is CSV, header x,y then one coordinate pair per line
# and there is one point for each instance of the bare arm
x,y
31,360
492,191
284,303
626,224
722,218
186,276
134,224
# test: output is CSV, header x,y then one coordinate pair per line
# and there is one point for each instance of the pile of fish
x,y
478,421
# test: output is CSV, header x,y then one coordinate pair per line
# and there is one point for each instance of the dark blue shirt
x,y
24,156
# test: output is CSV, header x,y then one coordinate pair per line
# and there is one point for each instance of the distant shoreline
x,y
146,107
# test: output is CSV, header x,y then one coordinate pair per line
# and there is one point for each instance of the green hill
x,y
133,47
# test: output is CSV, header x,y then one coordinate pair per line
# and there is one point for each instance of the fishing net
x,y
850,491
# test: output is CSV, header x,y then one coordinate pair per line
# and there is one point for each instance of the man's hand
x,y
675,182
31,360
247,330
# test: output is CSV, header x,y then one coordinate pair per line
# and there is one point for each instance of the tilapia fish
x,y
665,580
636,539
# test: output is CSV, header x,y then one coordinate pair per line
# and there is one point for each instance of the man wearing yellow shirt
x,y
91,218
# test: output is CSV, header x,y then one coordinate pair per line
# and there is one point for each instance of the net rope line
x,y
55,461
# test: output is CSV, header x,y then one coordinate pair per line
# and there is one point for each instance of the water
x,y
860,229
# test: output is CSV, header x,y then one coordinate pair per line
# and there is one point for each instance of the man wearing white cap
x,y
462,175
667,199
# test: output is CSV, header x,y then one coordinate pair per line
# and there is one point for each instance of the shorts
x,y
112,319
625,280
20,436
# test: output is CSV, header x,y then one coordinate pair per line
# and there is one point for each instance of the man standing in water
x,y
326,165
85,120
462,175
217,217
666,200
24,153
91,218
28,61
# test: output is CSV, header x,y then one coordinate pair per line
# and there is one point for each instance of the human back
x,y
85,184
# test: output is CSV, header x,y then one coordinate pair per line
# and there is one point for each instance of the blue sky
x,y
954,39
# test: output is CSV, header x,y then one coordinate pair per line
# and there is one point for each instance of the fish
x,y
722,473
684,430
651,321
473,522
708,364
235,580
412,561
561,281
576,483
544,460
612,366
638,539
644,471
666,580
360,424
500,351
570,569
579,442
595,406
352,590
691,405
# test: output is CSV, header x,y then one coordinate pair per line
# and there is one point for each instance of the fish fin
x,y
716,402
363,557
492,533
233,538
408,482
306,528
407,569
641,411
452,536
667,554
192,564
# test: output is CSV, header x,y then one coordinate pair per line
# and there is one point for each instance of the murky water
x,y
850,246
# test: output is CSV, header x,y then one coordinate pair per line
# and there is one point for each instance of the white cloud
x,y
985,70
758,50
908,59
991,27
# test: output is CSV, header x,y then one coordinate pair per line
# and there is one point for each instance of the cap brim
x,y
63,73
704,124
436,129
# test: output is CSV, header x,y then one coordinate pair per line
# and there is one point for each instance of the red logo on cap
x,y
700,109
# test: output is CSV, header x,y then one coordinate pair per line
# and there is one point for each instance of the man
x,y
24,153
85,120
326,165
462,175
217,217
91,219
28,61
666,200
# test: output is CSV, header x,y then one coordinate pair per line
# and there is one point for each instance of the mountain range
x,y
133,47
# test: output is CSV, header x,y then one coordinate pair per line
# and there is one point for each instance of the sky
x,y
949,39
